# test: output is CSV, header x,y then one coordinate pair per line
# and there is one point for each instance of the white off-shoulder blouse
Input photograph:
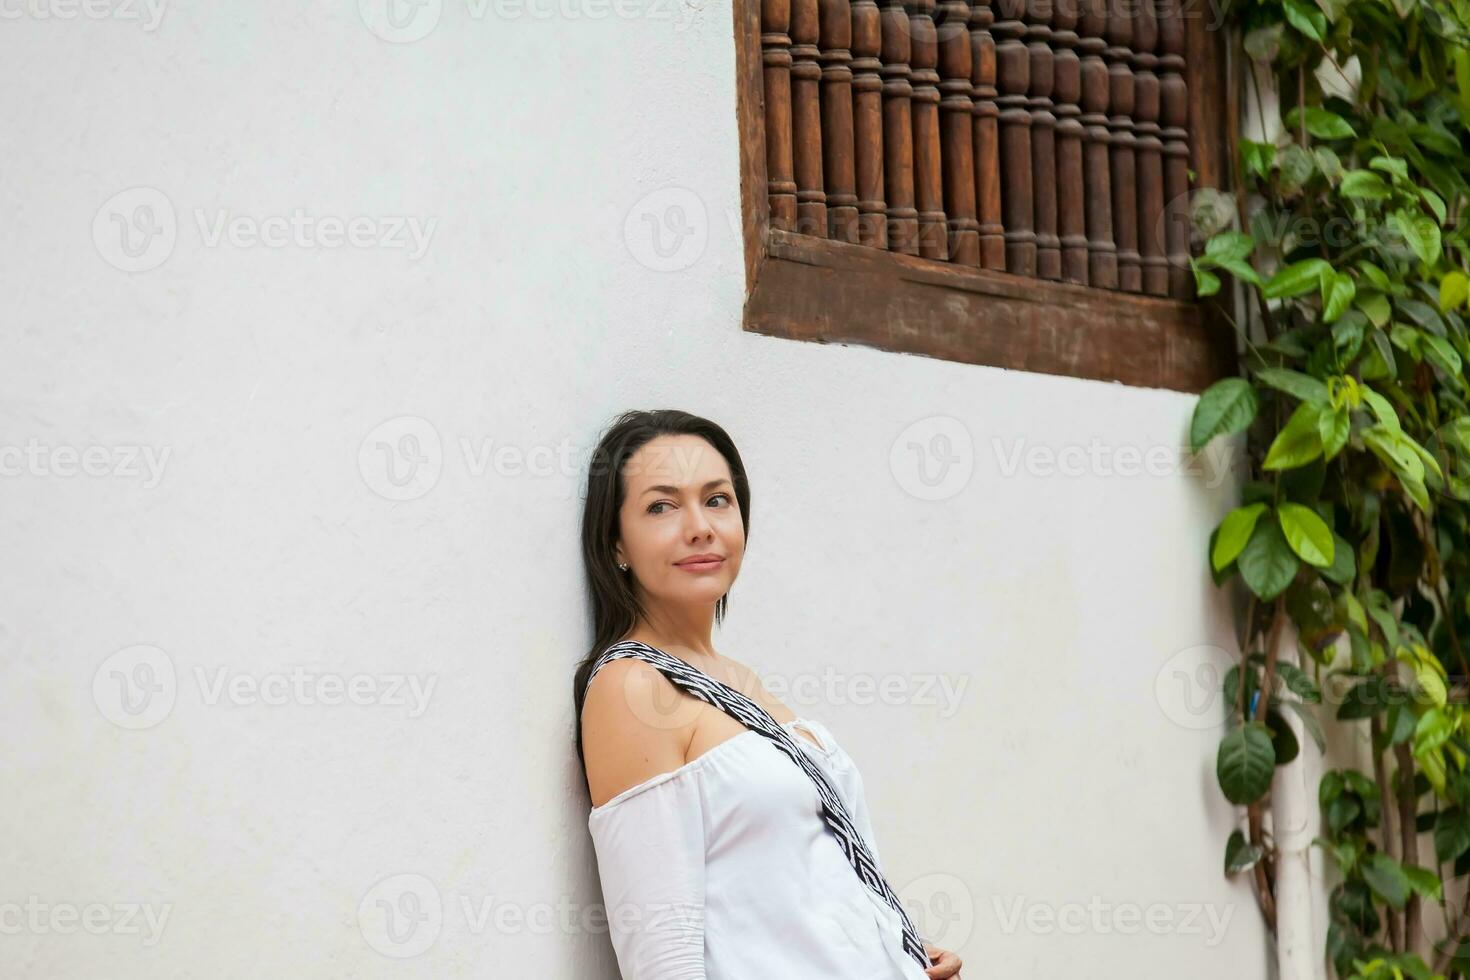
x,y
723,869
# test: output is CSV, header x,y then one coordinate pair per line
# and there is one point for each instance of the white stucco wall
x,y
149,607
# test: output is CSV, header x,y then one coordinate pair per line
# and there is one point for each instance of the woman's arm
x,y
647,825
650,857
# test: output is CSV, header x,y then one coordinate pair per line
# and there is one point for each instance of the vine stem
x,y
1385,800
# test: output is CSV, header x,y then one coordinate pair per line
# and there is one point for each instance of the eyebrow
x,y
665,488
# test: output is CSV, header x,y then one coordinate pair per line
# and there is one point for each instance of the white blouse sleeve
x,y
650,856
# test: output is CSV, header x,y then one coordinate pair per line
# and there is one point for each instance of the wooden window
x,y
999,182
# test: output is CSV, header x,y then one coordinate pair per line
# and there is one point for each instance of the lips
x,y
701,561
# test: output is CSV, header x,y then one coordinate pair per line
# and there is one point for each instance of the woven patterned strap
x,y
697,683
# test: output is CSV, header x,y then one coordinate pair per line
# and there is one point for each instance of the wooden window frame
x,y
802,287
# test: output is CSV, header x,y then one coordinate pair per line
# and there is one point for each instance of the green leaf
x,y
1226,407
1245,763
1364,184
1303,386
1235,532
1333,428
1387,879
1382,409
1240,854
1423,881
1338,293
1299,277
1299,682
1306,19
1229,245
1454,289
1267,564
1363,700
1442,354
1257,157
1451,834
1321,123
1206,283
1344,563
1298,442
1375,306
1419,233
1308,535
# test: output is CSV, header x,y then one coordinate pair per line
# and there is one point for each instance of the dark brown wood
x,y
1174,114
776,57
957,116
1043,138
1071,224
1013,78
867,122
1150,151
1121,143
750,121
805,287
986,136
839,173
832,292
806,119
928,172
898,131
1102,254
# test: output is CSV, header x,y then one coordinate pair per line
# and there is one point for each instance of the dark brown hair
x,y
615,606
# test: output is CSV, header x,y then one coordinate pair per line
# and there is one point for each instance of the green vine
x,y
1348,239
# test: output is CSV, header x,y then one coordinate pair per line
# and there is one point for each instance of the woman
x,y
724,850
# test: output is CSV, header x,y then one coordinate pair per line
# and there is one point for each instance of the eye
x,y
661,503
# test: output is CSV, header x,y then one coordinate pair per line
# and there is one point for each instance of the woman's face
x,y
680,503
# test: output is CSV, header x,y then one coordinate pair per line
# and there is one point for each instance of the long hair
x,y
615,606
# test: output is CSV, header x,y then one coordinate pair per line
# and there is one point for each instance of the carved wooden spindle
x,y
838,167
1174,111
1013,77
1071,224
776,71
1102,254
957,123
928,172
1043,138
806,119
898,131
986,136
867,122
1150,158
1121,143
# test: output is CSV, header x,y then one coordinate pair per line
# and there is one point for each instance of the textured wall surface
x,y
312,312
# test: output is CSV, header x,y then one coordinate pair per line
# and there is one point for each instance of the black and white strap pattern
x,y
696,682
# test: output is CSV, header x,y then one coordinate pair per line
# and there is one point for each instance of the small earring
x,y
622,566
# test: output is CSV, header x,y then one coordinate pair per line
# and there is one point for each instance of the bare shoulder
x,y
745,680
635,725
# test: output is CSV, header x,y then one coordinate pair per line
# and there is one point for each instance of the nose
x,y
699,525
